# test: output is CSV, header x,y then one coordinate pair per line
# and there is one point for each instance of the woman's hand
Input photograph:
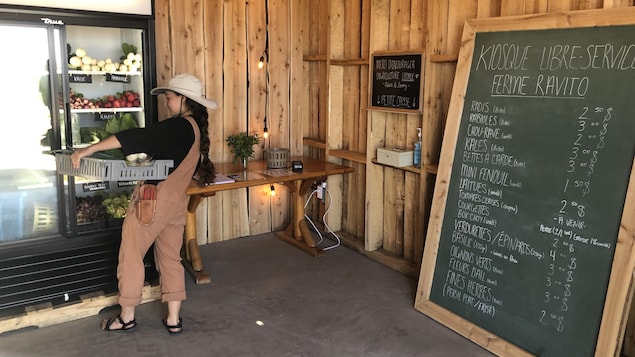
x,y
77,156
108,143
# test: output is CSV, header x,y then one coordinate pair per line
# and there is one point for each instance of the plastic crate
x,y
112,170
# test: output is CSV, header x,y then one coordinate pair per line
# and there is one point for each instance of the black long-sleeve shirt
x,y
170,139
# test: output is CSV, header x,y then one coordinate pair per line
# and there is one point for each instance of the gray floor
x,y
340,304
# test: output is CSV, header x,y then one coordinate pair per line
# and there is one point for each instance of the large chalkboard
x,y
396,82
531,195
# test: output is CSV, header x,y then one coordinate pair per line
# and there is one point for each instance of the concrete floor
x,y
340,304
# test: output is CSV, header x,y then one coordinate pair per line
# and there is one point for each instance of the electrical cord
x,y
327,226
328,229
310,220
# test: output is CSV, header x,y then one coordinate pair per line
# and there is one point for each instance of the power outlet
x,y
321,190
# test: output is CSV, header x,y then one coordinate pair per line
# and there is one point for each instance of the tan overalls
x,y
166,232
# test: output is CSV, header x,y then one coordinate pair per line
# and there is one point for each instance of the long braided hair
x,y
206,171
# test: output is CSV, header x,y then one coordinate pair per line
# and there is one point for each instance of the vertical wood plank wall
x,y
314,93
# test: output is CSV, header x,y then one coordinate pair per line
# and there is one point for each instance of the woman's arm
x,y
109,143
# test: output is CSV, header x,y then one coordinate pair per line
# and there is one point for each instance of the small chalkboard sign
x,y
80,78
531,247
120,78
126,183
95,186
396,81
104,116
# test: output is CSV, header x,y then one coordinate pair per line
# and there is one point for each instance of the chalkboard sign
x,y
80,78
532,186
120,78
396,82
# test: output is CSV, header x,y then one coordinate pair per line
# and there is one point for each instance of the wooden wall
x,y
221,42
395,203
314,93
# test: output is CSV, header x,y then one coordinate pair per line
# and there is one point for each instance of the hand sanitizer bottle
x,y
417,151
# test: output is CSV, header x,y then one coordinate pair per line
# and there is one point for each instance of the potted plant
x,y
242,146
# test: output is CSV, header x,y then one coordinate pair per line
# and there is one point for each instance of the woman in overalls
x,y
183,138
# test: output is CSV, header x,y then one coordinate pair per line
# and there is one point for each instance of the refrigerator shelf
x,y
128,73
112,170
108,110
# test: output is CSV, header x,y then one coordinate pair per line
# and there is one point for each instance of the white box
x,y
396,156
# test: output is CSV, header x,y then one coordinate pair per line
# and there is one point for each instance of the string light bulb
x,y
265,131
273,190
265,54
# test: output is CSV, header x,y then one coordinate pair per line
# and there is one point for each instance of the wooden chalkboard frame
x,y
419,90
620,285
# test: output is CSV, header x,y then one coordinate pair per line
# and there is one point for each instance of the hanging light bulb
x,y
273,190
261,61
265,131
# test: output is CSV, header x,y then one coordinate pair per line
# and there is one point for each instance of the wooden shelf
x,y
444,58
337,61
359,157
314,143
315,58
349,61
354,156
430,169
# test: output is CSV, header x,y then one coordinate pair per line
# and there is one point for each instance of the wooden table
x,y
256,174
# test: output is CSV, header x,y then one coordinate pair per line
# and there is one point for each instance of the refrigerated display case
x,y
70,78
75,80
106,93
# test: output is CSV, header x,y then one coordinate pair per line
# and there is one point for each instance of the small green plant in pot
x,y
242,146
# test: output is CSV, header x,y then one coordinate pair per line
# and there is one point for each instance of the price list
x,y
523,230
566,228
482,247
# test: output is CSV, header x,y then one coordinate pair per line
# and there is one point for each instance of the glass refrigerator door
x,y
106,95
29,129
64,87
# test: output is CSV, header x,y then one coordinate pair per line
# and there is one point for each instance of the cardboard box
x,y
398,157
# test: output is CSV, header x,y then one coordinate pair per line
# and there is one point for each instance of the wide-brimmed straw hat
x,y
189,86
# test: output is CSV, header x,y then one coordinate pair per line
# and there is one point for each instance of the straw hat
x,y
189,86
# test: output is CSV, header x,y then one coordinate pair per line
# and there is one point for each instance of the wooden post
x,y
299,210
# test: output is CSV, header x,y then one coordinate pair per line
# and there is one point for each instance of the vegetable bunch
x,y
129,62
116,204
125,99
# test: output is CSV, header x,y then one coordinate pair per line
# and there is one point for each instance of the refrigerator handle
x,y
68,125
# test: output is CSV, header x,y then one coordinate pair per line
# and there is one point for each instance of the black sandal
x,y
171,328
125,326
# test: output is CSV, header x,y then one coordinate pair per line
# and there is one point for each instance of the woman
x,y
183,138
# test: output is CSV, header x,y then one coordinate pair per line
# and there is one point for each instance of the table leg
x,y
298,232
192,260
